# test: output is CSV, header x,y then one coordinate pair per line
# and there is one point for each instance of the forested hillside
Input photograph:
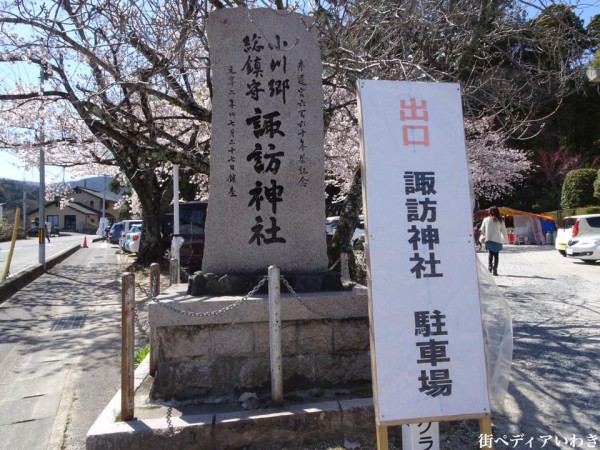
x,y
11,193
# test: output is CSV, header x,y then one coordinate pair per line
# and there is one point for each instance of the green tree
x,y
593,29
578,189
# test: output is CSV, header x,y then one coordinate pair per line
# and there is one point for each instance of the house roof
x,y
79,207
110,196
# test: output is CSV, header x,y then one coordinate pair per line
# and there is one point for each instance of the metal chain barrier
x,y
324,314
263,280
142,328
170,422
209,313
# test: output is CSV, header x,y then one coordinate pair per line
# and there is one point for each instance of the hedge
x,y
578,189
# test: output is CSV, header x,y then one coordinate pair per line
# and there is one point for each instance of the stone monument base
x,y
325,343
213,284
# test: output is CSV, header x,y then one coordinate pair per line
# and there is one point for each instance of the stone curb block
x,y
12,285
350,419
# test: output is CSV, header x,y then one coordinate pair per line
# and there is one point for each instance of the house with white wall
x,y
82,213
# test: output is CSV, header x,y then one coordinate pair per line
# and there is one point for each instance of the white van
x,y
572,226
127,224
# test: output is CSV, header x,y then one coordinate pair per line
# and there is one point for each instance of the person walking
x,y
493,232
48,230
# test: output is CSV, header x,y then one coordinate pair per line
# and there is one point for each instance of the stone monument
x,y
266,207
266,203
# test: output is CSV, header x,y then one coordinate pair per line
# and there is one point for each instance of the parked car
x,y
585,248
114,233
575,226
331,224
32,231
192,219
127,224
132,239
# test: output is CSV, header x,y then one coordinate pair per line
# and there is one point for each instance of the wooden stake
x,y
485,428
12,244
153,352
382,437
154,291
155,279
127,345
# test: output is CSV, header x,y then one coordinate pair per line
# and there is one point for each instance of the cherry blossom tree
x,y
122,84
495,168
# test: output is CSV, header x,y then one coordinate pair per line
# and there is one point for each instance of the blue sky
x,y
15,169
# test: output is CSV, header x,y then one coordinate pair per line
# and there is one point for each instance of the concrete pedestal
x,y
324,344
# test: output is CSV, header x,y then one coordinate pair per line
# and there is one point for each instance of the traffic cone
x,y
84,242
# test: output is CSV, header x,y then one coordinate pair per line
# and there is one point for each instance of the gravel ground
x,y
554,392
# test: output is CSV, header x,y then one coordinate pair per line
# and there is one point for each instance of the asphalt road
x,y
59,352
26,252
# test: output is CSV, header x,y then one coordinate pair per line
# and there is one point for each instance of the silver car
x,y
585,248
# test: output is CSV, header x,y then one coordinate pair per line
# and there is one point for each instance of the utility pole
x,y
42,212
103,198
45,73
24,206
176,244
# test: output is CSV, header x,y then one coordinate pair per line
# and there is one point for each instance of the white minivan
x,y
127,224
572,226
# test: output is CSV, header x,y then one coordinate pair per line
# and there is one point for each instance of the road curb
x,y
24,277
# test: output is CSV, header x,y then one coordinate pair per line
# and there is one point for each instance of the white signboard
x,y
427,343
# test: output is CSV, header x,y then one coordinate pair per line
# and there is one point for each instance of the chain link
x,y
324,314
170,422
209,313
303,302
136,317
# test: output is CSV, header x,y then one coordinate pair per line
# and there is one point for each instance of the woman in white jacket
x,y
493,231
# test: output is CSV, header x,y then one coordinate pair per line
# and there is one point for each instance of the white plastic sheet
x,y
497,335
